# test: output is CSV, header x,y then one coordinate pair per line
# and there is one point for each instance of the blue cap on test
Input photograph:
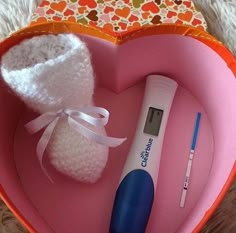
x,y
133,203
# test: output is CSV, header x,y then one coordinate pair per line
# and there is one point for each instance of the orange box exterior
x,y
66,27
118,22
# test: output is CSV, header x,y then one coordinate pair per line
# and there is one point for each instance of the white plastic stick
x,y
190,161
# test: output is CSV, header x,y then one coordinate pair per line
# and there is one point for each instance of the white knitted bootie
x,y
52,73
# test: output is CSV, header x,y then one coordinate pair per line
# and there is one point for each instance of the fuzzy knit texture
x,y
8,222
55,72
50,73
15,14
221,19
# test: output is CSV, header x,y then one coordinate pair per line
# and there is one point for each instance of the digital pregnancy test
x,y
135,194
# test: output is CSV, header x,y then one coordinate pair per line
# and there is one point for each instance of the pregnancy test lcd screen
x,y
153,121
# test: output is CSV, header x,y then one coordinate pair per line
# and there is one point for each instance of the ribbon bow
x,y
50,120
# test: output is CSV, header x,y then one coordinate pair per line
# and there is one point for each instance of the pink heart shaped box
x,y
205,72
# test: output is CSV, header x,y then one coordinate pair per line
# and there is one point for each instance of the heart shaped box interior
x,y
205,72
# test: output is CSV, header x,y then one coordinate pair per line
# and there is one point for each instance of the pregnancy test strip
x,y
190,161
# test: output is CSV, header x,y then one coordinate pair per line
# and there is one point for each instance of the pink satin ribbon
x,y
50,120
